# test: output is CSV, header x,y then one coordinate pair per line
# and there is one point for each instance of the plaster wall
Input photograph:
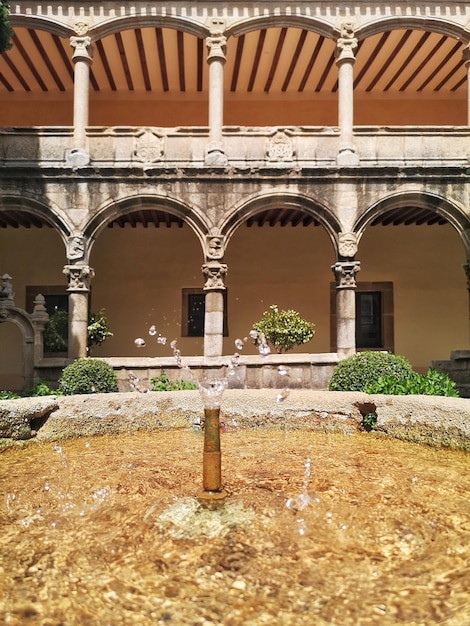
x,y
140,273
166,112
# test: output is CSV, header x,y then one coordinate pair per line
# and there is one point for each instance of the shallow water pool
x,y
107,531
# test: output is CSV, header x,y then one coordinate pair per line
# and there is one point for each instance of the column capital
x,y
346,43
214,273
216,46
79,277
345,274
83,50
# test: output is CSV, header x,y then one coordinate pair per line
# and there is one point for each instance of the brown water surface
x,y
106,531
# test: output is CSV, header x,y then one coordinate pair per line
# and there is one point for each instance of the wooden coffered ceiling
x,y
274,62
268,61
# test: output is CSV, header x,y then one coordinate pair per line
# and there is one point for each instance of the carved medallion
x,y
149,147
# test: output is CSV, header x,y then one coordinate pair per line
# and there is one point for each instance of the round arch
x,y
433,24
420,199
118,24
23,321
195,220
36,22
282,200
284,20
39,210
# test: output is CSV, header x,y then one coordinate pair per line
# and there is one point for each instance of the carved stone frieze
x,y
214,273
215,247
79,277
149,147
345,274
280,147
76,247
347,244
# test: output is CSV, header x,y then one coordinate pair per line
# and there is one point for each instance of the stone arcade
x,y
282,147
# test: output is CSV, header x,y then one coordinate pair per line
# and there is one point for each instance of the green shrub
x,y
8,395
162,383
88,375
359,370
431,384
42,389
283,329
56,331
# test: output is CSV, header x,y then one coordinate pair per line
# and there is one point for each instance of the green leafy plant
x,y
432,383
369,421
57,330
358,371
42,389
98,329
88,375
8,395
5,29
162,383
283,329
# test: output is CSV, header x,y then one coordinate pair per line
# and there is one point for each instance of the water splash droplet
x,y
139,342
282,395
239,344
153,330
235,360
253,334
161,340
173,344
283,370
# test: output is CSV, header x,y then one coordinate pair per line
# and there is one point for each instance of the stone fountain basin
x,y
426,419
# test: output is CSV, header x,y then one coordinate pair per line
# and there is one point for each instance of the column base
x,y
347,156
216,157
77,157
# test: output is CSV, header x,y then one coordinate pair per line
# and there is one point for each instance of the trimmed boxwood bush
x,y
358,371
88,375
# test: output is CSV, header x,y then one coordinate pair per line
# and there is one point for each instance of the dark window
x,y
196,314
55,296
369,319
194,310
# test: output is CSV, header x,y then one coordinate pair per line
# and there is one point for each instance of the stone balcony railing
x,y
293,147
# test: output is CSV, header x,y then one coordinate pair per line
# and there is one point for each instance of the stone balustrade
x,y
284,147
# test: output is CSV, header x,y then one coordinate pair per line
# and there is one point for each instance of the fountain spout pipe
x,y
213,492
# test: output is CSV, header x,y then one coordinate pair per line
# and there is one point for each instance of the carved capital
x,y
83,50
216,46
215,247
347,245
345,274
79,277
76,247
346,43
214,274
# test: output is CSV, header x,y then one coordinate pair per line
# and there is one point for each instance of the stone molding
x,y
79,277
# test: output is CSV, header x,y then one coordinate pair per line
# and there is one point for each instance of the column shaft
x,y
216,60
214,324
78,324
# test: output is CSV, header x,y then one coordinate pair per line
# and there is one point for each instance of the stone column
x,y
345,276
82,59
345,61
79,277
214,272
466,56
216,60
